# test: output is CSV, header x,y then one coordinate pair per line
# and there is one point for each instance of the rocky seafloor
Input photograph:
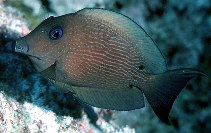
x,y
29,103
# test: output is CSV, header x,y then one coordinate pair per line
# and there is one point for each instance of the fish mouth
x,y
23,48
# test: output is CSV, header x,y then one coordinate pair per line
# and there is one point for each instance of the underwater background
x,y
29,103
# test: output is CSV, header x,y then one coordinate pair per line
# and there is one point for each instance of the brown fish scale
x,y
101,54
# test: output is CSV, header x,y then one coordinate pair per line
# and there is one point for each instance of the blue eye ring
x,y
56,33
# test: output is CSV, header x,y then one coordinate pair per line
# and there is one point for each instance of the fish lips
x,y
21,46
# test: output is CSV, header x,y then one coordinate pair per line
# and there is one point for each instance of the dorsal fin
x,y
152,58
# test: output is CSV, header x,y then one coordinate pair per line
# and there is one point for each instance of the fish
x,y
105,59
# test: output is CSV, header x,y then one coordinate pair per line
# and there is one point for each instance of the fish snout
x,y
21,46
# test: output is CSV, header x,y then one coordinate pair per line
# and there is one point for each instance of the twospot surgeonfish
x,y
106,60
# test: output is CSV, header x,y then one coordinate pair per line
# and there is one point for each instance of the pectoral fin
x,y
50,74
116,99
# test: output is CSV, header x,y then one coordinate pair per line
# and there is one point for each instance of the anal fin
x,y
116,99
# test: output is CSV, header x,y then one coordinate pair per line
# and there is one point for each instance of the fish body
x,y
106,60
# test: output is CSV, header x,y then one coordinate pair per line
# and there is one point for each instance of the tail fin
x,y
162,90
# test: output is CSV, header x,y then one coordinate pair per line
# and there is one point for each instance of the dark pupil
x,y
56,34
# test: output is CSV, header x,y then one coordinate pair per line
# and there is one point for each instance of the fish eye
x,y
55,33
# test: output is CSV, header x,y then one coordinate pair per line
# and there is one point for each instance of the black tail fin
x,y
162,90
